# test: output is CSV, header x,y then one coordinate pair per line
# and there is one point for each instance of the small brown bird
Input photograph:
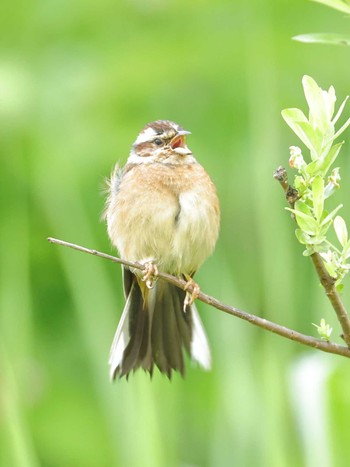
x,y
162,211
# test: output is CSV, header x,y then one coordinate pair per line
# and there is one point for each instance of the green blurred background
x,y
78,80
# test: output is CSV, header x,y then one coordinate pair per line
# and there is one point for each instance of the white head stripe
x,y
146,135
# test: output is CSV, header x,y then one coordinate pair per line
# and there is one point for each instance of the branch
x,y
256,320
326,280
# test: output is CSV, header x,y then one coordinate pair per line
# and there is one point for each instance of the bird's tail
x,y
154,330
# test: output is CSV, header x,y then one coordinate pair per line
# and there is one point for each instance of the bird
x,y
162,211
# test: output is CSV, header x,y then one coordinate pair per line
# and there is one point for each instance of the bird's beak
x,y
178,143
183,133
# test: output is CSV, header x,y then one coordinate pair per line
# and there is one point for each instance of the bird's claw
x,y
150,274
191,296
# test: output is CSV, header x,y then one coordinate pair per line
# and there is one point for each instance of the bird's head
x,y
160,141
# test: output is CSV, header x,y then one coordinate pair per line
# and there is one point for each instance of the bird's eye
x,y
158,141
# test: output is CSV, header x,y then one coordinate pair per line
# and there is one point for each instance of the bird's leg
x,y
150,274
191,296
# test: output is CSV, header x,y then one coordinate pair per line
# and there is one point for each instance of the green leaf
x,y
302,237
331,215
340,131
346,250
336,4
315,138
331,269
340,288
318,241
340,110
318,197
322,165
307,223
320,103
314,167
294,115
330,158
324,330
301,206
324,38
309,251
341,231
324,228
293,118
299,183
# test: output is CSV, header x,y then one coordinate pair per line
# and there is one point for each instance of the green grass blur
x,y
78,80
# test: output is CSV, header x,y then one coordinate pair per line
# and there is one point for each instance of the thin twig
x,y
256,320
326,280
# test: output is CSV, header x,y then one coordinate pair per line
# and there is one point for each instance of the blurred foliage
x,y
78,80
340,5
328,37
324,38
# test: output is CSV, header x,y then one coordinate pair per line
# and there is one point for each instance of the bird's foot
x,y
150,274
191,296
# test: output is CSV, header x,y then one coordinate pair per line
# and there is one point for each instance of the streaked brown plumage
x,y
162,209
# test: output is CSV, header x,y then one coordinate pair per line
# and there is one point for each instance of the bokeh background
x,y
78,80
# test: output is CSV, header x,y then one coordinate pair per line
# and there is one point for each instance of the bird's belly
x,y
178,240
145,234
195,233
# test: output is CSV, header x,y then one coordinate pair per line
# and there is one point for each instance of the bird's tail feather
x,y
154,330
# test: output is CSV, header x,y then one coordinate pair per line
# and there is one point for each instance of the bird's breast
x,y
169,215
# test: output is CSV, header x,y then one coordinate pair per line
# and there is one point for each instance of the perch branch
x,y
253,319
326,280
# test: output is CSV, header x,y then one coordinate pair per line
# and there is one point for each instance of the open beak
x,y
178,143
